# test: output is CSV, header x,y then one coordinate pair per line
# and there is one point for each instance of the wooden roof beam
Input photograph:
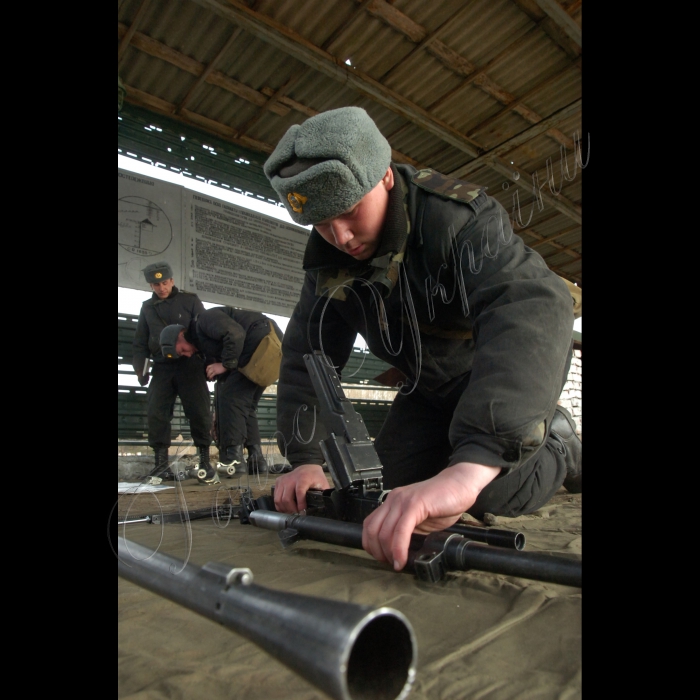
x,y
550,239
126,38
519,139
512,105
558,202
424,44
299,47
562,19
274,98
458,64
550,28
144,99
345,26
207,71
160,106
157,49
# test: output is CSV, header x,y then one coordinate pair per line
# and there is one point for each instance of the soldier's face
x,y
357,231
163,289
183,348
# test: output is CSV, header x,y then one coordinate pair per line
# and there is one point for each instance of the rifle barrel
x,y
498,538
461,553
336,646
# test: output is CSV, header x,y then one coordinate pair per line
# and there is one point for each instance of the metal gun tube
x,y
339,532
350,652
460,553
539,566
498,538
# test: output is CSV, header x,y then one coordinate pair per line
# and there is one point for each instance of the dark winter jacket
x,y
180,307
230,336
452,298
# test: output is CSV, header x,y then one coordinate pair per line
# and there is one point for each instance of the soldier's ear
x,y
388,179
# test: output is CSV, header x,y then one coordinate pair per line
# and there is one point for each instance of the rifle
x,y
431,556
354,465
336,646
356,471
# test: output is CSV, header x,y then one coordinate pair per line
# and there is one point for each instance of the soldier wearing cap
x,y
241,352
171,377
476,327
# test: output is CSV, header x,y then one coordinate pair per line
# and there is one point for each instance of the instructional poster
x,y
240,257
149,227
224,253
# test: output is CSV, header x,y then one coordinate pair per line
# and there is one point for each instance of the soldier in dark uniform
x,y
171,377
428,270
227,339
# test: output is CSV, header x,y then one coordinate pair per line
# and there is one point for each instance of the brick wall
x,y
571,395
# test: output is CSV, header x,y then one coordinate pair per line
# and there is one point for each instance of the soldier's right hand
x,y
290,489
143,378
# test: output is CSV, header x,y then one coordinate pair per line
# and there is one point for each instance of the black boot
x,y
232,455
161,470
256,459
211,476
563,431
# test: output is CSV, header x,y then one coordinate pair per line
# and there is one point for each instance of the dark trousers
x,y
236,400
184,378
413,445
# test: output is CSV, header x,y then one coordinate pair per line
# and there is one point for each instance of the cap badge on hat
x,y
158,275
297,201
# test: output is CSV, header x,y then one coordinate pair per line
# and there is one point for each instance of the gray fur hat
x,y
157,272
168,338
326,165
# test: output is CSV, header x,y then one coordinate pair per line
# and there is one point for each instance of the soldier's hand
x,y
214,369
143,378
290,489
426,506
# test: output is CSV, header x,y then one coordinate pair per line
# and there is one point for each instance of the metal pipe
x,y
349,651
458,552
538,566
498,538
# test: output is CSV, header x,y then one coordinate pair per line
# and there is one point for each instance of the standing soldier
x,y
183,377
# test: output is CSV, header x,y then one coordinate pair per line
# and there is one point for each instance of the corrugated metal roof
x,y
431,75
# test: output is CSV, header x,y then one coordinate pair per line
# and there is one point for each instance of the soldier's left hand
x,y
215,369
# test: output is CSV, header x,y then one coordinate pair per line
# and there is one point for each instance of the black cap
x,y
168,338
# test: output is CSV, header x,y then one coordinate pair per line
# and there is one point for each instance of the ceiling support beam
x,y
130,32
156,48
458,64
292,43
425,43
551,28
273,99
156,104
526,182
551,240
207,71
562,19
345,26
519,139
515,103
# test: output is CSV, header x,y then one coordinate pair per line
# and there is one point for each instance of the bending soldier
x,y
241,352
183,377
428,270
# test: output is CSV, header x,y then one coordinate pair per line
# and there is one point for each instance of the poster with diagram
x,y
240,257
149,227
225,253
